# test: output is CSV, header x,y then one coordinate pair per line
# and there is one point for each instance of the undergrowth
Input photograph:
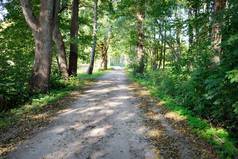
x,y
59,89
218,137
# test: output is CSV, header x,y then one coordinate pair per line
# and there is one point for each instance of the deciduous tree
x,y
42,28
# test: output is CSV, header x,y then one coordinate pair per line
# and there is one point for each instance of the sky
x,y
3,11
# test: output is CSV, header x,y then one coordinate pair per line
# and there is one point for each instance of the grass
x,y
219,138
37,103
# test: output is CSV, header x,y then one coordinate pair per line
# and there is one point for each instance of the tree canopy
x,y
187,48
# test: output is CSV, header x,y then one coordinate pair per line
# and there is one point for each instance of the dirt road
x,y
105,122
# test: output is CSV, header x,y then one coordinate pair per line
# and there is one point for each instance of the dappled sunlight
x,y
123,97
174,116
65,110
90,109
98,132
160,103
154,133
144,93
39,116
58,129
103,121
126,116
98,154
141,130
68,111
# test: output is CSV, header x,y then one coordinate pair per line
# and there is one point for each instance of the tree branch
x,y
29,16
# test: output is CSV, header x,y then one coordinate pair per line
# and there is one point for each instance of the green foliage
x,y
180,63
16,56
220,138
233,76
17,51
178,49
38,102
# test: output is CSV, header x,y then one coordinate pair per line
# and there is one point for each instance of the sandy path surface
x,y
113,119
104,122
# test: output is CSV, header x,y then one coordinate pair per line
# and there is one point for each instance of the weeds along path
x,y
111,120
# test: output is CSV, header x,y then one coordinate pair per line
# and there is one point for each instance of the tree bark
x,y
219,5
60,46
164,48
155,55
73,56
190,28
155,58
42,28
161,45
104,50
140,41
92,57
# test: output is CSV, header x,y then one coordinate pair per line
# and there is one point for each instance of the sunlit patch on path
x,y
104,122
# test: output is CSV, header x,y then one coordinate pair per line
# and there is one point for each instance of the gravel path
x,y
104,122
107,121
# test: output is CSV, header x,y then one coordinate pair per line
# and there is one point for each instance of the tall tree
x,y
42,28
92,57
60,46
140,16
104,46
219,5
73,56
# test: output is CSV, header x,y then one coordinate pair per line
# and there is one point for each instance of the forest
x,y
185,52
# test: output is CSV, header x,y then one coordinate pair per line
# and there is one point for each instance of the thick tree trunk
x,y
104,49
61,54
105,61
42,29
58,39
73,56
219,5
92,57
140,42
42,62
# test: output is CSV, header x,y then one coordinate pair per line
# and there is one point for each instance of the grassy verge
x,y
37,103
219,138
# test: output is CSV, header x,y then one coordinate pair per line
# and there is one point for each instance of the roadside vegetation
x,y
184,51
40,102
223,141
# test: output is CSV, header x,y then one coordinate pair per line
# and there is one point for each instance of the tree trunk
x,y
42,29
219,5
92,58
105,61
190,38
155,55
104,50
58,39
164,48
155,58
161,46
140,41
73,56
61,54
190,28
